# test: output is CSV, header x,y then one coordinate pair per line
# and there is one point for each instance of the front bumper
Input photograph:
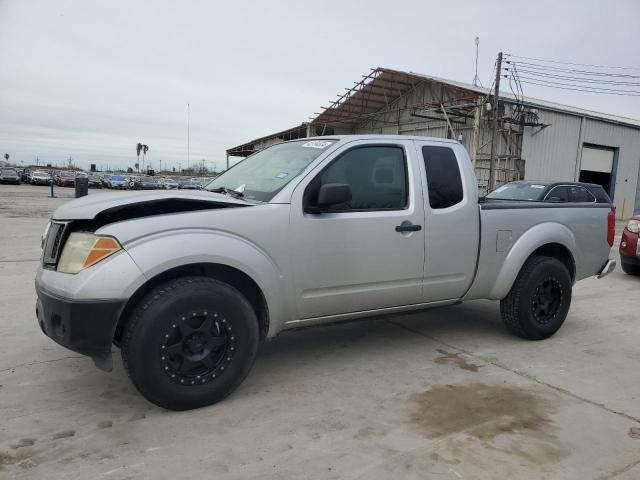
x,y
83,326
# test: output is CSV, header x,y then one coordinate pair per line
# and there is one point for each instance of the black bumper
x,y
630,260
84,326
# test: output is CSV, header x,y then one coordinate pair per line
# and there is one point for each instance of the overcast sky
x,y
90,79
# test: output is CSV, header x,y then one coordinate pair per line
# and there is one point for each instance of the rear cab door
x,y
452,220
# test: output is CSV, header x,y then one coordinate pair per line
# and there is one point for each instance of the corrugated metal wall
x,y
627,141
551,153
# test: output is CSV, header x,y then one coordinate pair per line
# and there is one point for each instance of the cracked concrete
x,y
446,393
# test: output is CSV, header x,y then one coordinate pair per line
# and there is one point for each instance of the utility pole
x,y
188,136
494,134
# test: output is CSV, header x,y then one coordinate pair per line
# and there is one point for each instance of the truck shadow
x,y
345,345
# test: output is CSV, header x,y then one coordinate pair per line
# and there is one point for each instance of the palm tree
x,y
138,150
6,157
145,149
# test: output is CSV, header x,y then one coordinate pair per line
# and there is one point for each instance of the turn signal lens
x,y
634,226
82,250
103,247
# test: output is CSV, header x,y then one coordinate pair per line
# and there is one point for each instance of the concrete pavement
x,y
442,394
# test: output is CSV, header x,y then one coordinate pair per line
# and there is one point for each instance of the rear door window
x,y
558,194
600,194
580,194
443,177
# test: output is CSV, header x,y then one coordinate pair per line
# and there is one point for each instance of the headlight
x,y
82,250
634,226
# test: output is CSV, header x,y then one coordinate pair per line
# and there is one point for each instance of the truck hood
x,y
137,204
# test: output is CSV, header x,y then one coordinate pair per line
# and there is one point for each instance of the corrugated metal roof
x,y
530,101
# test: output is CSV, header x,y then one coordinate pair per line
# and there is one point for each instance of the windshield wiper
x,y
228,191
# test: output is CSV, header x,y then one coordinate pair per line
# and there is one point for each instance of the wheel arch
x,y
559,252
225,273
548,239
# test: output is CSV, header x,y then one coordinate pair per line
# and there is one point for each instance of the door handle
x,y
408,227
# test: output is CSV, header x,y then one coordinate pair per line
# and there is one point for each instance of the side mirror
x,y
331,194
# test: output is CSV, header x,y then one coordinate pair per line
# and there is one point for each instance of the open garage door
x,y
597,166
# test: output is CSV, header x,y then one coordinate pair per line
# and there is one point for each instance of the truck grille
x,y
53,243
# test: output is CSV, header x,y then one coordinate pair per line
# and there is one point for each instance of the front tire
x,y
190,342
539,300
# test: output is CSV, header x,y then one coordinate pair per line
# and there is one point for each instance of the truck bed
x,y
509,230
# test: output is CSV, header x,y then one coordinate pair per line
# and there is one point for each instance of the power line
x,y
578,79
536,66
573,63
579,88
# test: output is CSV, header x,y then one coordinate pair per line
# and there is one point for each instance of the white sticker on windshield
x,y
316,144
282,175
240,189
537,186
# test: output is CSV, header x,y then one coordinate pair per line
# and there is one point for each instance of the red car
x,y
630,247
66,179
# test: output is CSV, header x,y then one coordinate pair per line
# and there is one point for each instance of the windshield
x,y
265,173
8,171
66,174
117,178
40,174
518,191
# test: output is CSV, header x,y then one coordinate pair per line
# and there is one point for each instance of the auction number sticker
x,y
316,144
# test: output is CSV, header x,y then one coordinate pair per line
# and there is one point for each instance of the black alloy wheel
x,y
546,300
197,347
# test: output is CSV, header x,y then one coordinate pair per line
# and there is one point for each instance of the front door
x,y
353,257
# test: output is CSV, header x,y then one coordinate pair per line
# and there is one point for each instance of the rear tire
x,y
539,300
190,342
630,269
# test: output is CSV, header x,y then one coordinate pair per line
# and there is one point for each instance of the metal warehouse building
x,y
537,140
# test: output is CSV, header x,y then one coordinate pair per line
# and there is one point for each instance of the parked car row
x,y
145,182
120,181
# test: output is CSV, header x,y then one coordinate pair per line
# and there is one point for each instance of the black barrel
x,y
82,186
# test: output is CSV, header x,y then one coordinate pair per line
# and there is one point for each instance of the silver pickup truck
x,y
302,233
